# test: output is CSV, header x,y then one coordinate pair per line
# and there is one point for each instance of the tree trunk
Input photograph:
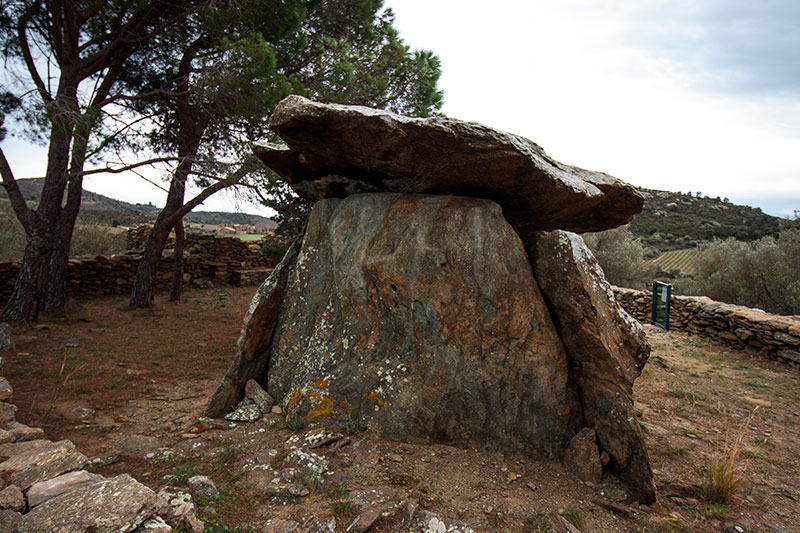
x,y
177,273
24,303
144,287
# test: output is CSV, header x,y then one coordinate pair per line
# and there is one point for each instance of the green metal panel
x,y
662,299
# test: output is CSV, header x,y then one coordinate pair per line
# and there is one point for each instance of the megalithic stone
x,y
337,150
607,350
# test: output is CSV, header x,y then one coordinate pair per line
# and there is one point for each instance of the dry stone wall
x,y
208,260
752,330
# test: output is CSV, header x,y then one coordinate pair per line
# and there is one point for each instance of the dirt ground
x,y
116,372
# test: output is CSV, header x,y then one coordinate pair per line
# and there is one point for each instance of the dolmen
x,y
440,292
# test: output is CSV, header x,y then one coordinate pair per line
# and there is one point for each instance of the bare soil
x,y
151,372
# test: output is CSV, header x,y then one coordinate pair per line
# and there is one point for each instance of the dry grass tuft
x,y
726,473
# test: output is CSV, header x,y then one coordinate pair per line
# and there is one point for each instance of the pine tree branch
x,y
21,209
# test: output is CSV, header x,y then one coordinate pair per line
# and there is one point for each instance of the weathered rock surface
x,y
44,490
336,150
607,351
9,521
259,323
41,462
420,314
7,412
11,499
583,458
6,341
119,504
256,392
5,389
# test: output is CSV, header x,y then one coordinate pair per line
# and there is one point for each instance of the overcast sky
x,y
697,95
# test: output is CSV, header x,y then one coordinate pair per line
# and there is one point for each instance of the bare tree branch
x,y
21,209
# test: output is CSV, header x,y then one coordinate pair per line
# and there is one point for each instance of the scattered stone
x,y
319,436
382,498
117,504
203,486
5,389
320,525
397,458
42,463
7,412
155,524
276,409
11,499
308,460
246,411
138,443
430,522
105,459
9,521
23,433
44,490
336,150
204,423
133,372
6,342
279,525
409,511
583,458
729,526
6,436
364,521
255,392
180,510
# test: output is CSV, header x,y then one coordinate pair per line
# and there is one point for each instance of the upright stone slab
x,y
607,350
420,315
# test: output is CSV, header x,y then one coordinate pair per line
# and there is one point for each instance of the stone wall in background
x,y
752,330
208,261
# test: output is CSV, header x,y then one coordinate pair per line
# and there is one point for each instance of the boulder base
x,y
420,315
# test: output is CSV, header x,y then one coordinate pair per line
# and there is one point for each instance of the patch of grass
x,y
691,353
355,426
400,480
684,393
343,509
741,367
676,451
110,385
181,474
718,510
573,516
754,384
538,524
338,491
83,389
295,423
17,372
694,375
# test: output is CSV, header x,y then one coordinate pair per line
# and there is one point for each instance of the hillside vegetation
x,y
99,209
673,221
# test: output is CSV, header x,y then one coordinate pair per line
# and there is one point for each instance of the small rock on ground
x,y
260,397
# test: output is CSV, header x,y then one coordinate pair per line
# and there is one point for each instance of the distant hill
x,y
672,221
104,210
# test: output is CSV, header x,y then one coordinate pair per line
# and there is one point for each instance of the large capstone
x,y
337,150
420,315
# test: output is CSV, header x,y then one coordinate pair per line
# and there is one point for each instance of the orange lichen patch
x,y
565,410
322,406
343,404
322,383
294,398
373,395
